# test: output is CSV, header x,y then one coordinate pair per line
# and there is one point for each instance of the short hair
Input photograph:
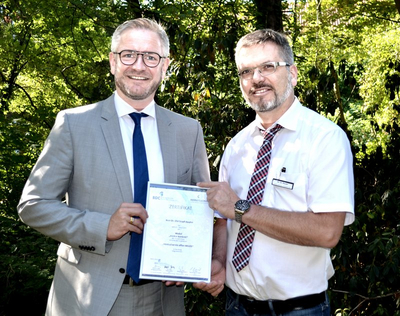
x,y
263,36
144,24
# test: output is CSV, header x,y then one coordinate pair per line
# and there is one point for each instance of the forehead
x,y
257,54
140,40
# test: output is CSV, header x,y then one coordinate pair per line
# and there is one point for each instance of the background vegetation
x,y
54,55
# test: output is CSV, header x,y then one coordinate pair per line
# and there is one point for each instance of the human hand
x,y
217,279
221,198
171,283
129,217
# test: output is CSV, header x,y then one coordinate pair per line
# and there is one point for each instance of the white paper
x,y
177,240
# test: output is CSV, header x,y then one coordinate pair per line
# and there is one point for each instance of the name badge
x,y
283,184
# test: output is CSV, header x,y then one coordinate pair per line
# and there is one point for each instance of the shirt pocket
x,y
289,192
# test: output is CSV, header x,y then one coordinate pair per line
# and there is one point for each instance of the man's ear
x,y
165,66
112,60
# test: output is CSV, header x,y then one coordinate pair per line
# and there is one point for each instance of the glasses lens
x,y
267,69
151,59
246,74
264,69
128,57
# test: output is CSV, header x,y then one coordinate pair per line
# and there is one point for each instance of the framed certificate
x,y
177,236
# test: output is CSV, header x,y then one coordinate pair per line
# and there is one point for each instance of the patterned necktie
x,y
141,177
244,241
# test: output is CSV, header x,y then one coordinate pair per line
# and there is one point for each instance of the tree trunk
x,y
270,14
397,5
134,8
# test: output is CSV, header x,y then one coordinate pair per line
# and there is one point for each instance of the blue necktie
x,y
141,177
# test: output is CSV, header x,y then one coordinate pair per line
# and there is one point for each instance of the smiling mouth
x,y
137,78
261,90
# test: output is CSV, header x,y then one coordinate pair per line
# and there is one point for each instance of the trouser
x,y
311,305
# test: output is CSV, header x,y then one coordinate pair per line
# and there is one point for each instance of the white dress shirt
x,y
310,170
150,135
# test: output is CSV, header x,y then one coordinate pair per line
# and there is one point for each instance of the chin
x,y
270,106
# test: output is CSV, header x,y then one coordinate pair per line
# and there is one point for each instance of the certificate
x,y
177,236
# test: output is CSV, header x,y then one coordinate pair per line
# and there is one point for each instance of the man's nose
x,y
139,63
257,76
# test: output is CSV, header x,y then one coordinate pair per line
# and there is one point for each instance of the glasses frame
x,y
137,55
250,72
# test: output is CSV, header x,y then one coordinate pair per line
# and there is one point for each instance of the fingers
x,y
136,224
129,217
134,210
214,287
217,290
210,184
170,283
217,279
134,215
221,198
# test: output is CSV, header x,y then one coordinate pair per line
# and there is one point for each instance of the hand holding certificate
x,y
177,240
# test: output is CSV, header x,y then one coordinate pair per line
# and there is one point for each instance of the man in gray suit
x,y
81,190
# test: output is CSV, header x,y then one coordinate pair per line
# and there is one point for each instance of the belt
x,y
280,307
131,282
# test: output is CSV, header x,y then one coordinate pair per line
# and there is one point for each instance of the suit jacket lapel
x,y
166,133
112,136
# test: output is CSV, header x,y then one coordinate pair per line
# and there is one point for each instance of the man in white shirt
x,y
306,195
88,158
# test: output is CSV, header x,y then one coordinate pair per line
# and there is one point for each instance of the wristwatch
x,y
241,207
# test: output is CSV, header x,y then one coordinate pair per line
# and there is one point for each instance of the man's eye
x,y
269,66
127,55
245,72
150,57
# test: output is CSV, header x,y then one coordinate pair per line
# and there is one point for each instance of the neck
x,y
268,118
138,105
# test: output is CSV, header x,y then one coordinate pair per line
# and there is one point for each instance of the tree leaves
x,y
54,55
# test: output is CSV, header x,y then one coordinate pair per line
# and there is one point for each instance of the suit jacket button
x,y
122,270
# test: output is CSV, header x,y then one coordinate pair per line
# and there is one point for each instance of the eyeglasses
x,y
264,69
129,57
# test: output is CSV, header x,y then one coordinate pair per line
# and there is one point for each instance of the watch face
x,y
242,205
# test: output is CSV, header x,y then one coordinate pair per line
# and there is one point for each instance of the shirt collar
x,y
288,120
124,108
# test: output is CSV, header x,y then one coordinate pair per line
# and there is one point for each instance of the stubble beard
x,y
132,94
278,100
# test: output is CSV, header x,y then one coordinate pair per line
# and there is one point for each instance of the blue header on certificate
x,y
176,187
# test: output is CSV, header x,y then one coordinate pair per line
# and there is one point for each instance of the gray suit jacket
x,y
84,161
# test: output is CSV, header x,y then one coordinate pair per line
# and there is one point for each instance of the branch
x,y
75,89
379,17
31,102
365,298
338,95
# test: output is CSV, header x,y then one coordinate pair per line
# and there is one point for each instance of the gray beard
x,y
268,106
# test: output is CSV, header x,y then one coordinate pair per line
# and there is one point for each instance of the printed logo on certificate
x,y
177,236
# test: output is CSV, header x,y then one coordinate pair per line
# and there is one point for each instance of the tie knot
x,y
136,116
269,134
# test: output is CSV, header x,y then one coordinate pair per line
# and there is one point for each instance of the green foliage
x,y
27,265
54,55
202,80
201,303
348,56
